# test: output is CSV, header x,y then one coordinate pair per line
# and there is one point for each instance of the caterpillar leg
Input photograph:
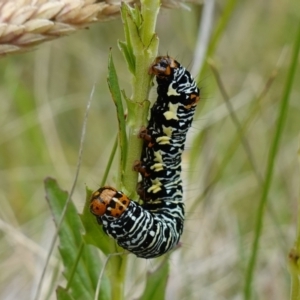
x,y
141,191
146,137
140,168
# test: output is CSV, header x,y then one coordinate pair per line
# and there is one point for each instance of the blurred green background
x,y
44,94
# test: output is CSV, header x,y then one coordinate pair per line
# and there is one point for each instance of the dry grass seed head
x,y
26,23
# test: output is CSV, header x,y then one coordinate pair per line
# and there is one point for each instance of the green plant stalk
x,y
141,86
294,272
116,274
150,11
141,50
293,258
145,46
270,166
130,176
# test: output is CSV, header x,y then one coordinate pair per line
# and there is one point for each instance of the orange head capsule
x,y
109,201
100,200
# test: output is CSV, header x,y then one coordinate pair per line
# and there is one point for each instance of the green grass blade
x,y
62,294
82,264
110,161
113,84
142,47
270,165
293,257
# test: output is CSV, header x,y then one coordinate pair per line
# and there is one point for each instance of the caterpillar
x,y
153,228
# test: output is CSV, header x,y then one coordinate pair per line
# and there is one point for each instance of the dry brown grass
x,y
26,23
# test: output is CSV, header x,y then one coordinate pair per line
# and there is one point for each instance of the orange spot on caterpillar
x,y
194,99
121,204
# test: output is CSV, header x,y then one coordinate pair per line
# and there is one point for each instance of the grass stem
x,y
282,114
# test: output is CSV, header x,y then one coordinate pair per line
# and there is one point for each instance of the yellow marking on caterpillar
x,y
158,157
163,140
172,112
156,186
167,130
157,167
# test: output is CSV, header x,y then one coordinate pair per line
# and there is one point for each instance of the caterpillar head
x,y
108,201
163,67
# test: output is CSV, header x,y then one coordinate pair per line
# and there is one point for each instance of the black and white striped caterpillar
x,y
153,228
